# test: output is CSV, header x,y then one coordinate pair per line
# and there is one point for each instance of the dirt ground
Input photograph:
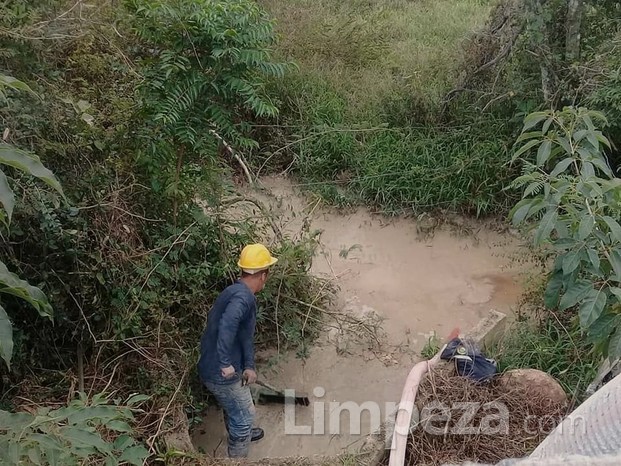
x,y
415,280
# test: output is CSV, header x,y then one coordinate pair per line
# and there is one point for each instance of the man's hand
x,y
228,372
250,376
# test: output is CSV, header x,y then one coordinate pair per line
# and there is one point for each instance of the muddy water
x,y
384,269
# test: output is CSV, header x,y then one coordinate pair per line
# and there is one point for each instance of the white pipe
x,y
406,408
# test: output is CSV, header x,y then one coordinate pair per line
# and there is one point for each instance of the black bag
x,y
469,360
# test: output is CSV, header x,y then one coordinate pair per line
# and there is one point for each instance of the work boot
x,y
256,434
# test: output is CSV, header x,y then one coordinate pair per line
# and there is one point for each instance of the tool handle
x,y
269,387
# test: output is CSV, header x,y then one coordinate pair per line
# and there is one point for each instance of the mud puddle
x,y
385,271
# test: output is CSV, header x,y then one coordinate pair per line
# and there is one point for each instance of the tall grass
x,y
368,49
361,111
553,346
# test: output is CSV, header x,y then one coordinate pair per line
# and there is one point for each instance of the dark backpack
x,y
469,360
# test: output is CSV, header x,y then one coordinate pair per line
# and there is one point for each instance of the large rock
x,y
540,385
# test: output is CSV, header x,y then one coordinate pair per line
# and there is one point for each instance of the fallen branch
x,y
234,154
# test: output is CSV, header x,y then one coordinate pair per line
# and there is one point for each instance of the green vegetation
x,y
389,109
544,342
432,346
11,284
573,192
360,119
129,119
373,54
415,106
149,112
71,435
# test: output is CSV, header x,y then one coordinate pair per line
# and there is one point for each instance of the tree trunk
x,y
548,76
572,25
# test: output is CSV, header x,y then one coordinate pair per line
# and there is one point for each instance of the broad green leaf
x,y
135,455
81,438
553,290
591,307
123,442
543,153
593,139
586,153
533,120
614,346
594,258
586,227
136,398
4,450
48,442
587,170
615,228
571,261
17,421
602,327
562,229
616,291
28,163
575,293
563,244
561,167
118,426
536,206
603,166
78,416
529,135
6,337
7,197
615,262
15,452
545,227
519,211
525,148
111,461
546,125
579,135
565,144
12,284
13,83
602,139
34,455
596,189
589,122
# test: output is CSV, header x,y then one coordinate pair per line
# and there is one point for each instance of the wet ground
x,y
417,280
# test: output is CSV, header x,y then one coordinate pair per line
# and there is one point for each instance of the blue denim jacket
x,y
228,339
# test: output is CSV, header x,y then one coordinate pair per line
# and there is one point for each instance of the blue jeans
x,y
236,401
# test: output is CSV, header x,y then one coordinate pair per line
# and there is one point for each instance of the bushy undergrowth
x,y
131,262
553,342
416,105
360,117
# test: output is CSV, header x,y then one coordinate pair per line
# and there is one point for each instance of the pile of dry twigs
x,y
463,421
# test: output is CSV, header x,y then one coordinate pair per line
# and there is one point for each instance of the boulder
x,y
538,384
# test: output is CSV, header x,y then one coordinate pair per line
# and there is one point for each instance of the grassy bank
x,y
360,117
373,52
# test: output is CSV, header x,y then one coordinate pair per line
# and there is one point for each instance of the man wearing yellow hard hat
x,y
226,364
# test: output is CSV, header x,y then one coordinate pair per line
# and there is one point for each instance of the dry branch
x,y
522,434
235,155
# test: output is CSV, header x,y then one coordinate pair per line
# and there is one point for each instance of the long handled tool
x,y
273,395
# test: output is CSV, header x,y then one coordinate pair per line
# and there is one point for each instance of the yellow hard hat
x,y
254,258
